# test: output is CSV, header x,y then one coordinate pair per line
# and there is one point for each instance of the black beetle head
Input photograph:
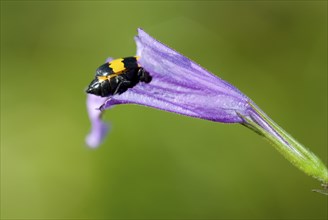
x,y
99,88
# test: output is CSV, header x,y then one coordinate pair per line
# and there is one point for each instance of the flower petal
x,y
181,86
99,129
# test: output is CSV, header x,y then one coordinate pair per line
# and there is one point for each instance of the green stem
x,y
290,148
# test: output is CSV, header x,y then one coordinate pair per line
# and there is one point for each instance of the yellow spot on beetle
x,y
103,78
117,66
137,58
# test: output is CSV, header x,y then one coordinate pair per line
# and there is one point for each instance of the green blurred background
x,y
156,164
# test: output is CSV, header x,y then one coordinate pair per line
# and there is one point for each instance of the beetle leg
x,y
123,83
117,88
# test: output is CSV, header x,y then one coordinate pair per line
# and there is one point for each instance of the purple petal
x,y
181,86
109,59
99,129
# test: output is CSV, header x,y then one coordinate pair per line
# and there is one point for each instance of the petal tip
x,y
97,136
109,59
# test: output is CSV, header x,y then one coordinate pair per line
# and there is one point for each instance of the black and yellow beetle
x,y
117,76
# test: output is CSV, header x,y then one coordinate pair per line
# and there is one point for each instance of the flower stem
x,y
290,148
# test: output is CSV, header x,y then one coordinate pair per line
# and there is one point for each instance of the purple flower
x,y
181,86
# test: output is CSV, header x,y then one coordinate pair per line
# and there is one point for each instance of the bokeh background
x,y
154,164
